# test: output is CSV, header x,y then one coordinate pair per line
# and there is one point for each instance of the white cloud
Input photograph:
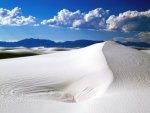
x,y
64,18
98,19
94,19
144,36
36,25
130,21
141,37
126,39
13,17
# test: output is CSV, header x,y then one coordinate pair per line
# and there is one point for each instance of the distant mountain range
x,y
69,44
47,43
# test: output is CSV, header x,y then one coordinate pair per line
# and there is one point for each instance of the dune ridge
x,y
102,78
130,67
65,76
130,90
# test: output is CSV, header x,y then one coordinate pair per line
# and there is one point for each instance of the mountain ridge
x,y
32,42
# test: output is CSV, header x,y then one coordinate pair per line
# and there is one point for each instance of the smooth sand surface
x,y
146,51
130,89
102,78
130,67
65,76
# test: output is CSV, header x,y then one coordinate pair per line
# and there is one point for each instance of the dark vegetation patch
x,y
5,55
61,49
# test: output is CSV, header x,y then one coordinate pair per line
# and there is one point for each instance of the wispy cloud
x,y
36,25
141,37
144,36
14,18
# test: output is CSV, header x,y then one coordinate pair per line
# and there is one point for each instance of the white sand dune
x,y
146,51
102,78
66,76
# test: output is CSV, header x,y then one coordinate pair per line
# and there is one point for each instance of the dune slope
x,y
130,89
65,76
130,67
102,78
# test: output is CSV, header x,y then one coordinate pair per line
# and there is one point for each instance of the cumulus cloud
x,y
130,21
94,19
99,19
14,18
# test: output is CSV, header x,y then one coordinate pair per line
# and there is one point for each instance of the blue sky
x,y
74,19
